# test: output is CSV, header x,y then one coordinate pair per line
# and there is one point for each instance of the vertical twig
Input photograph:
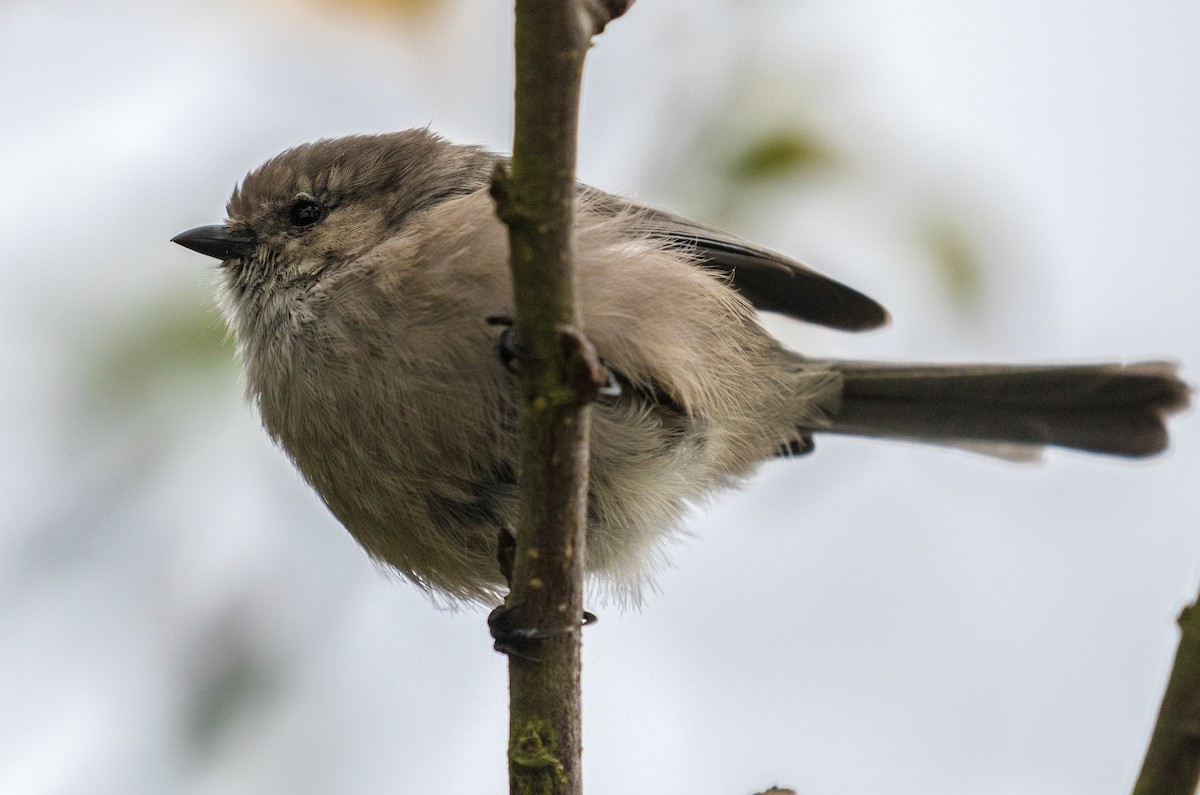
x,y
558,379
1172,763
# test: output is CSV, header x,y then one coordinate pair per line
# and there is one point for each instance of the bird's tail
x,y
1112,409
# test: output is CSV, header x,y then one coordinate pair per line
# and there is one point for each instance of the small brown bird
x,y
358,274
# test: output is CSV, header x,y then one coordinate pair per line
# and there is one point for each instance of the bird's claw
x,y
515,635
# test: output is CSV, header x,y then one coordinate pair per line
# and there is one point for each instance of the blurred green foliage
x,y
777,155
181,335
408,9
954,257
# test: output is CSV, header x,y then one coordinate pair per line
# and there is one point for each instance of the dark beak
x,y
216,241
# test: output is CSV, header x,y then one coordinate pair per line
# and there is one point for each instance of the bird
x,y
358,276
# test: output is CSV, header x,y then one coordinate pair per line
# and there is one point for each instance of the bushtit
x,y
357,275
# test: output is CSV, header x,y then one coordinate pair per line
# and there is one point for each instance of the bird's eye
x,y
305,210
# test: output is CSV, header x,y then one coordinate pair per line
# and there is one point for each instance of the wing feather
x,y
768,279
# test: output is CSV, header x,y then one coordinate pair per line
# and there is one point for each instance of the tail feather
x,y
1112,409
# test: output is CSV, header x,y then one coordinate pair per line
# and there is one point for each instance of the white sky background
x,y
875,618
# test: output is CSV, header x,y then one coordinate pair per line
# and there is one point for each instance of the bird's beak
x,y
216,241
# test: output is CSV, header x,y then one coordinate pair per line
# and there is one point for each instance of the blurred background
x,y
1017,181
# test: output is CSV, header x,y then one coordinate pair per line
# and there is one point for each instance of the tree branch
x,y
1172,763
558,378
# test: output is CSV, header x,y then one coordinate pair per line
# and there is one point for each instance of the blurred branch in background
x,y
1172,763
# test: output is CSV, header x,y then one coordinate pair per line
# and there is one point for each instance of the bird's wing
x,y
769,280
